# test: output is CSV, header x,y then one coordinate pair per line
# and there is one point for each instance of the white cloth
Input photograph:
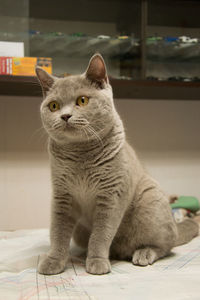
x,y
176,277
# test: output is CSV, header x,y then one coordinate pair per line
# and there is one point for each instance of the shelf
x,y
147,89
124,89
19,86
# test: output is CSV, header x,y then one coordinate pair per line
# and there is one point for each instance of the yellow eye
x,y
54,106
82,100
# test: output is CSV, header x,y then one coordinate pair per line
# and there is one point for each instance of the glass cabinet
x,y
173,41
70,32
147,45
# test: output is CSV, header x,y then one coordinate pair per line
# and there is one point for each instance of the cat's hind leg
x,y
151,226
146,256
156,231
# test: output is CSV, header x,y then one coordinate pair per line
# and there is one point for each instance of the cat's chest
x,y
82,182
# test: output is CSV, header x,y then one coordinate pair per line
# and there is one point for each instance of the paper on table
x,y
175,277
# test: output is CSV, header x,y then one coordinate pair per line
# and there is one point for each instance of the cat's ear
x,y
45,79
96,71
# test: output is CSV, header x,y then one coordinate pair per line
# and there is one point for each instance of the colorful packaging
x,y
24,66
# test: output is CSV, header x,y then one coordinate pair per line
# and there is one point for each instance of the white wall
x,y
24,170
164,133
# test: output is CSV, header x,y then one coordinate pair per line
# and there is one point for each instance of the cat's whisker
x,y
95,134
85,131
100,129
40,131
56,125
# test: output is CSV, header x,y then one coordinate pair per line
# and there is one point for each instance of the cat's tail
x,y
187,230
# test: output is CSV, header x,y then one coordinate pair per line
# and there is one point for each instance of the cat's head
x,y
77,107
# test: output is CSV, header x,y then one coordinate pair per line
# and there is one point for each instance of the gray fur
x,y
102,196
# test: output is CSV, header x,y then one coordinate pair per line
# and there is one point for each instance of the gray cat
x,y
102,196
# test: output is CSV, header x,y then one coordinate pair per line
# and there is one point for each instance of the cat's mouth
x,y
77,124
74,127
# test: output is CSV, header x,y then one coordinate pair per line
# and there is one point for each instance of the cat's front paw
x,y
98,266
51,266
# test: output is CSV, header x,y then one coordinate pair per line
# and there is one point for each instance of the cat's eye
x,y
82,101
54,106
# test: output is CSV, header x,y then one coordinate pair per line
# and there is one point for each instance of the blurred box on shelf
x,y
12,49
24,66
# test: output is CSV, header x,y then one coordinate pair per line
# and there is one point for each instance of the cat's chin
x,y
71,134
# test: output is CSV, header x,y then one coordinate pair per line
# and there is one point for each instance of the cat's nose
x,y
65,117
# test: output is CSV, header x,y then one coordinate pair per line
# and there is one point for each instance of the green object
x,y
187,202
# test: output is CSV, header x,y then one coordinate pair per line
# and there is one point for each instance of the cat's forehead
x,y
71,83
71,87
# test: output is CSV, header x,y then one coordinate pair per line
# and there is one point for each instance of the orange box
x,y
24,66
